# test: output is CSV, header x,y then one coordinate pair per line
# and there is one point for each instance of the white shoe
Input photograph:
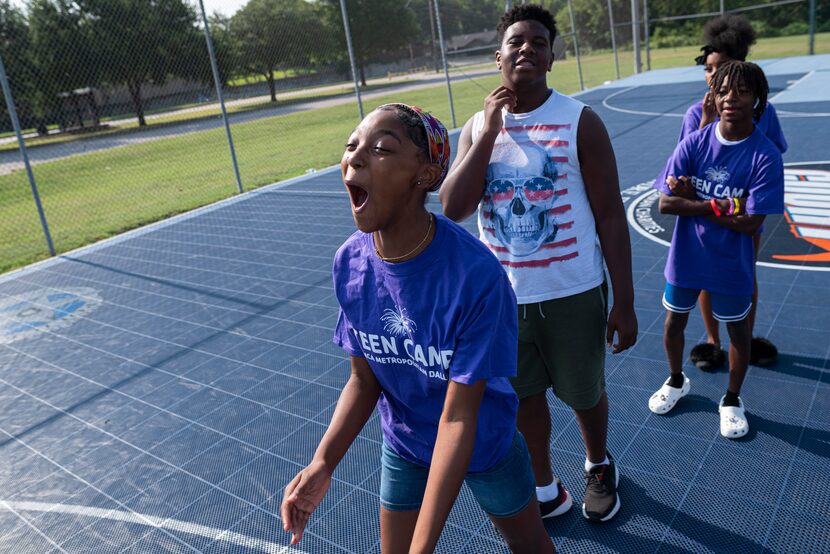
x,y
662,401
733,423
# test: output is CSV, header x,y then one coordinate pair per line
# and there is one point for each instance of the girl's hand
x,y
500,98
302,496
708,111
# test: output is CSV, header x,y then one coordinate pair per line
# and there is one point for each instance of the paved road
x,y
11,161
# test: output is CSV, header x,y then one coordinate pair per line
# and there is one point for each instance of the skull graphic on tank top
x,y
519,200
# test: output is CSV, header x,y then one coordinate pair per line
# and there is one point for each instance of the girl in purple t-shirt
x,y
721,182
428,317
728,38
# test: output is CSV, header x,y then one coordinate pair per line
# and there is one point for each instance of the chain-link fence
x,y
123,122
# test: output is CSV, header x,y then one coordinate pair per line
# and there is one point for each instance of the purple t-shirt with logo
x,y
705,255
448,313
768,124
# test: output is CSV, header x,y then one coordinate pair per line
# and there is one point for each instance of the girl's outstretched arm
x,y
305,492
450,459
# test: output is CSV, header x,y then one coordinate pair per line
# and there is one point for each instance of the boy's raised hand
x,y
302,496
500,98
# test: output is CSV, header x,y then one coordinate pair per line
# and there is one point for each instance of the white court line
x,y
151,454
9,506
792,85
630,216
636,200
633,112
164,223
782,113
151,521
60,258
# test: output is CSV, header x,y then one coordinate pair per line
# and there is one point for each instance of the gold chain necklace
x,y
397,258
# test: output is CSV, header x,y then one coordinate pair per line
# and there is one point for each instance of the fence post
x,y
648,35
614,39
722,7
444,60
351,56
7,92
812,27
635,34
217,81
576,45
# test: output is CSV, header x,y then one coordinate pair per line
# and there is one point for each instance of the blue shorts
x,y
725,308
502,491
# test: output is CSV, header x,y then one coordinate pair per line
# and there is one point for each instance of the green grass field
x,y
90,197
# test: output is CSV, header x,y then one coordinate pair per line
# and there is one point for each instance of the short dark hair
x,y
526,12
731,35
752,77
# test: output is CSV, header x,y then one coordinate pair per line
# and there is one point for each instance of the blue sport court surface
x,y
160,389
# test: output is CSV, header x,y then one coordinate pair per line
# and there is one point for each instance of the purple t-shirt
x,y
448,313
768,124
704,255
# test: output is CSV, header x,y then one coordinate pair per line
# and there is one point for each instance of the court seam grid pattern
x,y
195,382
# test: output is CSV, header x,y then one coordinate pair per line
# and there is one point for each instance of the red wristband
x,y
715,207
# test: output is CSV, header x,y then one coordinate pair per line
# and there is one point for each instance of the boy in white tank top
x,y
539,170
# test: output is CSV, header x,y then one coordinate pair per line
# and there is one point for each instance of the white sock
x,y
548,492
590,465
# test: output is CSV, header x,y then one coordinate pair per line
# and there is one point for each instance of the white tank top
x,y
535,214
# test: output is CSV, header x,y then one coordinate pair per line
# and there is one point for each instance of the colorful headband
x,y
438,142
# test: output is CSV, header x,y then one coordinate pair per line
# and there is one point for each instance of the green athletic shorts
x,y
562,345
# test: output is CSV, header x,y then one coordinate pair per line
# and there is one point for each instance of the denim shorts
x,y
725,308
502,491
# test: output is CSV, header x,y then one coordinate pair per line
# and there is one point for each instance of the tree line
x,y
593,29
55,46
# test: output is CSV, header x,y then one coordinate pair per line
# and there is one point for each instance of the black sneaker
x,y
559,505
601,501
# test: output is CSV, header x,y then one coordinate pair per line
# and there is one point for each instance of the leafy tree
x,y
145,41
275,35
377,26
15,52
226,47
458,17
62,51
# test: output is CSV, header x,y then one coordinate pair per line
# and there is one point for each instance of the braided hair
x,y
735,74
731,35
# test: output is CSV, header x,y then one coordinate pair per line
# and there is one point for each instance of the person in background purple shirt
x,y
721,182
728,38
428,318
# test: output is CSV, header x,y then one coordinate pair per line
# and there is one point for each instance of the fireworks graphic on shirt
x,y
397,322
717,174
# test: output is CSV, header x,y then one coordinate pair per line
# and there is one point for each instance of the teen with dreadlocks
x,y
728,38
428,318
721,182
